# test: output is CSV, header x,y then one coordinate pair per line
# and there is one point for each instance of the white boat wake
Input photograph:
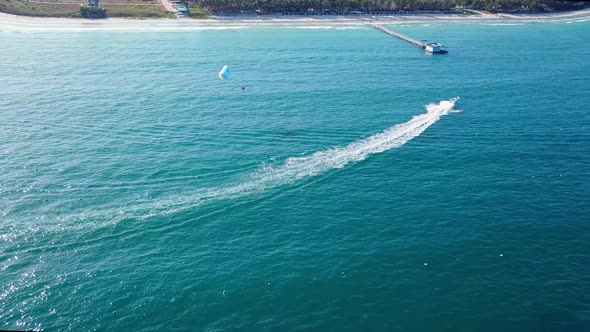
x,y
292,170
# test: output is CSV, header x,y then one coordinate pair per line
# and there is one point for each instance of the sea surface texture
x,y
341,191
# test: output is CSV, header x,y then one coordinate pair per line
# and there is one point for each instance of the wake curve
x,y
292,170
297,168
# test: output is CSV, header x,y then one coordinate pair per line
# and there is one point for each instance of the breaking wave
x,y
315,27
350,28
502,24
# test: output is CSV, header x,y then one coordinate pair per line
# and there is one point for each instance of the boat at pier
x,y
434,48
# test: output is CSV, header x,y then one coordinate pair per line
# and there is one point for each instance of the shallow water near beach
x,y
341,191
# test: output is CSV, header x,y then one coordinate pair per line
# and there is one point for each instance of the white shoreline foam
x,y
10,22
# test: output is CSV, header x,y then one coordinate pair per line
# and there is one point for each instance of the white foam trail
x,y
296,168
292,170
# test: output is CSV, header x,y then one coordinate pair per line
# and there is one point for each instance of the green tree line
x,y
343,6
93,12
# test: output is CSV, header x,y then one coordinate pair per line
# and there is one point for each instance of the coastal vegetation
x,y
20,7
72,8
318,7
203,8
197,12
139,11
93,12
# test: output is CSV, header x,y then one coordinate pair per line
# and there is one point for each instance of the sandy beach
x,y
31,24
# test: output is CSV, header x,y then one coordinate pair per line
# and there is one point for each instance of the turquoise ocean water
x,y
139,192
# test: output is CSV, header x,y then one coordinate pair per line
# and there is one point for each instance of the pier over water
x,y
429,47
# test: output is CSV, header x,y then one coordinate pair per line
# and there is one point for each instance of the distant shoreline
x,y
9,22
